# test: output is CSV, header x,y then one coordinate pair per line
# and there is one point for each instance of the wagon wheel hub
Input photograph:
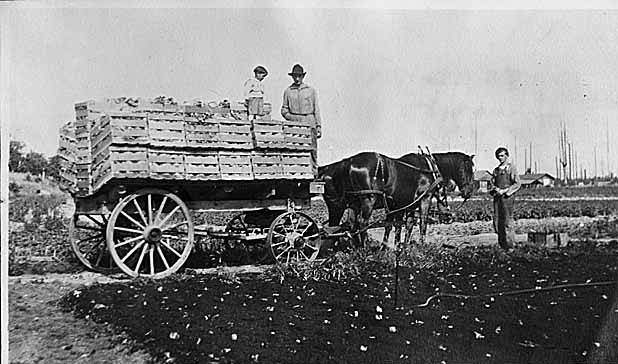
x,y
153,234
297,241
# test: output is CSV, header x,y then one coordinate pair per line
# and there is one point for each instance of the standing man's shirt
x,y
506,177
301,103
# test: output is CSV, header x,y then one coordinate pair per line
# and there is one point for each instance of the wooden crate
x,y
266,165
67,143
121,128
268,134
166,164
202,134
202,166
297,165
83,179
235,134
119,162
166,130
83,140
235,165
297,135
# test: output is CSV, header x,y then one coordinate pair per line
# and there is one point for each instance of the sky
x,y
388,79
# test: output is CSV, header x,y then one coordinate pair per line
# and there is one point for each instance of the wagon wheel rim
x,y
150,233
294,237
87,233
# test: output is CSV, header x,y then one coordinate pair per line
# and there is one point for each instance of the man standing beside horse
x,y
300,103
506,182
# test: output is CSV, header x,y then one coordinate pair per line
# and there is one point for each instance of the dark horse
x,y
453,166
368,181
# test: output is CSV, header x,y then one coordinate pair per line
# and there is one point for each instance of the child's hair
x,y
500,150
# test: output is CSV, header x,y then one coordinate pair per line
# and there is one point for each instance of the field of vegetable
x,y
341,311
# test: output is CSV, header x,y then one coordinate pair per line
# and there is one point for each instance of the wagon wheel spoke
x,y
169,215
279,243
166,244
129,241
304,255
141,213
132,220
173,227
137,246
149,208
160,209
141,258
98,262
120,228
101,224
163,257
88,242
151,259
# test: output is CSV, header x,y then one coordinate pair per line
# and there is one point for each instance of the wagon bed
x,y
137,169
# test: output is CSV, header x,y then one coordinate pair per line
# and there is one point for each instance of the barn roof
x,y
532,177
482,175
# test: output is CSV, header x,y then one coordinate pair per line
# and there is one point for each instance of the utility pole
x,y
570,162
607,144
530,155
595,161
557,169
562,146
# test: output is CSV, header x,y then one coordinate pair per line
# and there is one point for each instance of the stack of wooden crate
x,y
142,139
67,147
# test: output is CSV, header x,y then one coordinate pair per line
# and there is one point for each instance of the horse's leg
x,y
425,204
409,222
388,226
365,213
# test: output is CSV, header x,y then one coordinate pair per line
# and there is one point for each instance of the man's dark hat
x,y
260,69
297,70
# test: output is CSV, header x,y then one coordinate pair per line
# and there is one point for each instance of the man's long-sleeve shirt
x,y
299,102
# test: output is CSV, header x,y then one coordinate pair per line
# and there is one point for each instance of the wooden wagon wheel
x,y
150,233
294,236
87,235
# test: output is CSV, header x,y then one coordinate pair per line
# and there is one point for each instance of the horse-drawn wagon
x,y
139,170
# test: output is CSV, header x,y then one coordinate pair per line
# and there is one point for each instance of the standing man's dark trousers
x,y
503,220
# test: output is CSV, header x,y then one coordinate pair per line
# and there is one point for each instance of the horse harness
x,y
432,169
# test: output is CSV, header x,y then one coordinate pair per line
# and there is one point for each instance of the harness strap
x,y
364,192
432,186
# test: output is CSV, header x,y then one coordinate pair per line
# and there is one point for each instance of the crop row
x,y
474,210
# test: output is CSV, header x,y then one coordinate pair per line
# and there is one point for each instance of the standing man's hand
x,y
318,131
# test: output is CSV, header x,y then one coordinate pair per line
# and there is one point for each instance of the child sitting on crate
x,y
254,92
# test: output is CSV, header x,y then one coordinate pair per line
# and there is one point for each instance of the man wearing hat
x,y
300,103
254,92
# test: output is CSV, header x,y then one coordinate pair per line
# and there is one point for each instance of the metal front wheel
x,y
293,237
87,235
150,233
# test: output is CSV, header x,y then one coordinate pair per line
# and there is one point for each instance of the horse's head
x,y
460,168
466,176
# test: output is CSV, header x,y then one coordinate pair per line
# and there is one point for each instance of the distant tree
x,y
33,163
16,155
54,166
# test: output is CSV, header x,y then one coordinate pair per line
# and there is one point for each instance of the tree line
x,y
32,162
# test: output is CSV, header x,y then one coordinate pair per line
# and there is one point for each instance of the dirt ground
x,y
41,330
